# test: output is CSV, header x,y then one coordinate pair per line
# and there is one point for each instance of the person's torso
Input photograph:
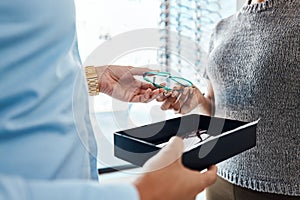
x,y
254,68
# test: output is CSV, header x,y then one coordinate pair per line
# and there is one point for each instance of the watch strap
x,y
92,80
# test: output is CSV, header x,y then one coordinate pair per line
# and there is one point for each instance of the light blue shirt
x,y
47,147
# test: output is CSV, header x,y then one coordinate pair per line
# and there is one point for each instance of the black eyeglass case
x,y
229,138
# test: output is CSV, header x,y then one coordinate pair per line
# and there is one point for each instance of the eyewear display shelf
x,y
226,139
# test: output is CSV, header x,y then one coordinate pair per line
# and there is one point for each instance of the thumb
x,y
203,180
141,70
166,156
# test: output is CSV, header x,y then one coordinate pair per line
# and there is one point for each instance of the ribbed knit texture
x,y
254,65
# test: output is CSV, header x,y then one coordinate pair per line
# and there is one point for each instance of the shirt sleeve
x,y
16,188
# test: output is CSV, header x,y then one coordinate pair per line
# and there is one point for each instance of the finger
x,y
210,176
144,85
137,98
176,108
163,84
163,96
177,87
168,103
140,95
155,94
203,180
152,96
212,169
175,93
167,155
144,95
147,93
160,91
141,70
156,91
181,100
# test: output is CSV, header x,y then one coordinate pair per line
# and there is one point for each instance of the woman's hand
x,y
182,102
185,99
119,82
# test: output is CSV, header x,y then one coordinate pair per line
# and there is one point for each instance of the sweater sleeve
x,y
17,188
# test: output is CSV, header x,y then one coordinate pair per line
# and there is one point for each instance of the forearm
x,y
16,188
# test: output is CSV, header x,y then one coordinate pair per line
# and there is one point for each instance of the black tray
x,y
137,145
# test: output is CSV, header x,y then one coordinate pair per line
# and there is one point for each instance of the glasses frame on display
x,y
200,134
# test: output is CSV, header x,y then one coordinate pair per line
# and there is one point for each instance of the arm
x,y
157,183
17,188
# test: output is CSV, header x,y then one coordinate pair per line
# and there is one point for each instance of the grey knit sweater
x,y
254,66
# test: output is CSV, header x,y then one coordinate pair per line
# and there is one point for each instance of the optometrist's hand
x,y
120,83
186,100
168,179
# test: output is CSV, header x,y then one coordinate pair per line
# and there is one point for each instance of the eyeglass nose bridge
x,y
154,79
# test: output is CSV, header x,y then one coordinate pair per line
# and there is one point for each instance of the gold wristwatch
x,y
92,80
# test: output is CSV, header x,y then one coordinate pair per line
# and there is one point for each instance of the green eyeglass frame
x,y
178,80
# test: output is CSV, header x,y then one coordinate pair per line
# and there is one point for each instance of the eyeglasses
x,y
165,80
191,140
194,139
200,134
